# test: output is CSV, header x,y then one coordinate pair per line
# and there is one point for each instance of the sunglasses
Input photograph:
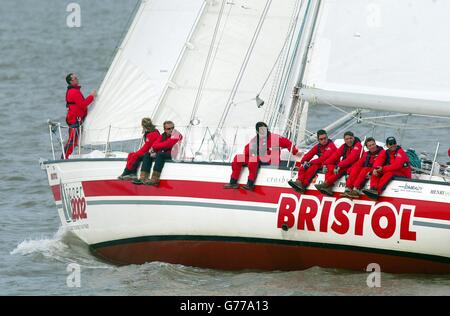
x,y
169,128
322,138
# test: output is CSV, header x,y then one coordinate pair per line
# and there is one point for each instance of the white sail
x,y
236,29
140,70
382,48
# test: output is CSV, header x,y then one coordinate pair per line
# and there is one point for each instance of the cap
x,y
391,141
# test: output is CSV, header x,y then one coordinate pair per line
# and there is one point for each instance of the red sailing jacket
x,y
164,144
349,155
77,105
150,139
269,150
368,158
324,152
397,162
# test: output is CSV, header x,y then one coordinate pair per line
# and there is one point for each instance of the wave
x,y
63,246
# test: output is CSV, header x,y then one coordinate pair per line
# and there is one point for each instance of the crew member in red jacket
x,y
77,109
308,167
162,150
391,162
362,168
264,148
340,162
151,134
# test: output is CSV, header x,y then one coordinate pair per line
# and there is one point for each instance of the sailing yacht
x,y
217,67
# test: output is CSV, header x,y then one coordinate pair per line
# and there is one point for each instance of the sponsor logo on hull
x,y
346,217
73,202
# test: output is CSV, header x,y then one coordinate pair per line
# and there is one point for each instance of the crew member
x,y
362,169
162,150
391,162
308,167
151,134
77,109
340,162
263,149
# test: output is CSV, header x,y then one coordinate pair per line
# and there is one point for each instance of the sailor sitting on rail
x,y
264,148
391,162
340,162
163,149
362,169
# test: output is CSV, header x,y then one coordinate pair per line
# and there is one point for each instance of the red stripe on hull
x,y
226,255
210,190
56,190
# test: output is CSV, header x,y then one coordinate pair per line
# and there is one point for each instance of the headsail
x,y
381,54
140,70
216,63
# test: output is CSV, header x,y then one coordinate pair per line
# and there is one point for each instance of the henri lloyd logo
x,y
408,188
73,202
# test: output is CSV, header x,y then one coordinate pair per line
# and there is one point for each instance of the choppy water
x,y
37,49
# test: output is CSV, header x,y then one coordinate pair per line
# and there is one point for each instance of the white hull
x,y
190,215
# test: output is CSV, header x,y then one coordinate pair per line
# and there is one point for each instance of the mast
x,y
298,106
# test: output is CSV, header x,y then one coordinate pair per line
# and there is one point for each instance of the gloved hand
x,y
325,169
306,165
336,170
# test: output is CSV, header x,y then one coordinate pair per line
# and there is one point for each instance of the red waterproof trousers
x,y
380,182
330,177
305,176
241,160
358,176
72,140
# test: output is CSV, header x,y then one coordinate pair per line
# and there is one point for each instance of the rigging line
x,y
287,40
207,64
282,75
221,37
244,65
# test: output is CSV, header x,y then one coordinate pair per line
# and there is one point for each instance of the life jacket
x,y
369,155
319,147
388,158
67,92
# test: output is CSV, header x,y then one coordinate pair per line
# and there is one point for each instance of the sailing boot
x,y
143,178
371,193
325,188
128,175
354,194
154,179
297,186
232,184
346,193
250,186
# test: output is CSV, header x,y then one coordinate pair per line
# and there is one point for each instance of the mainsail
x,y
140,69
382,55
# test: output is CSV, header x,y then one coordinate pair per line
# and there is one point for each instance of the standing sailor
x,y
77,110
